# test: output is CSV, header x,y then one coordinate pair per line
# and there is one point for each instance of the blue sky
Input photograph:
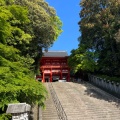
x,y
68,12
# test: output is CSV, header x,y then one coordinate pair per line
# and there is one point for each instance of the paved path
x,y
85,102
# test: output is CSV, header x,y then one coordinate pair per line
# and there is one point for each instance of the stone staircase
x,y
86,102
82,102
50,112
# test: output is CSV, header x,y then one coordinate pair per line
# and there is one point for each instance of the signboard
x,y
56,71
46,71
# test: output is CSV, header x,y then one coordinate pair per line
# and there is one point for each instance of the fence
x,y
105,84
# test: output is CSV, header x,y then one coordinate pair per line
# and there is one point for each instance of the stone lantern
x,y
19,111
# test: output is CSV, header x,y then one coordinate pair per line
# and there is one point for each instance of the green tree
x,y
25,27
99,26
82,59
45,26
17,82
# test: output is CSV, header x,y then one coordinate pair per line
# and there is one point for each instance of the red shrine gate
x,y
54,67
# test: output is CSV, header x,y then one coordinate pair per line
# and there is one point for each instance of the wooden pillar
x,y
68,78
61,74
51,76
43,78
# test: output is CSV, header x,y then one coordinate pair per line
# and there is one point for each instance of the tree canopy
x,y
100,29
25,27
45,26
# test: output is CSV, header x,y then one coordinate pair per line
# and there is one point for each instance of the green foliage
x,y
80,59
5,117
5,28
25,27
20,14
12,18
45,27
99,26
113,79
99,47
17,82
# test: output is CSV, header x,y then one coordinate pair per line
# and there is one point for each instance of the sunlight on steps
x,y
82,102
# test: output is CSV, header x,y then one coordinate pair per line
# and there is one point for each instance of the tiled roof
x,y
55,54
18,108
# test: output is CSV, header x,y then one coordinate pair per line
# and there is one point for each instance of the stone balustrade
x,y
106,84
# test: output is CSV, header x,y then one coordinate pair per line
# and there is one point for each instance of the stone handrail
x,y
61,113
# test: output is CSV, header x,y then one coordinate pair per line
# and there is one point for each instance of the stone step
x,y
74,100
50,112
82,102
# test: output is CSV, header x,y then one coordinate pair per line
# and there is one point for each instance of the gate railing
x,y
60,111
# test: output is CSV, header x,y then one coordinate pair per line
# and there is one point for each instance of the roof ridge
x,y
55,51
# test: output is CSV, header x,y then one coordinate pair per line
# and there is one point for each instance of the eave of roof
x,y
55,54
18,108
